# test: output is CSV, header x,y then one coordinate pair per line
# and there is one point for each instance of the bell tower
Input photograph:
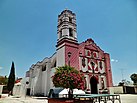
x,y
67,39
67,26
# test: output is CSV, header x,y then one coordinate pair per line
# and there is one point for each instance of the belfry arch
x,y
93,85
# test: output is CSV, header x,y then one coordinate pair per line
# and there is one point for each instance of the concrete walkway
x,y
128,98
125,98
13,99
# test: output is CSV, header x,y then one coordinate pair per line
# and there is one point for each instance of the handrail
x,y
98,97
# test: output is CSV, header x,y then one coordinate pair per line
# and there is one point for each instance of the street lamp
x,y
69,55
70,92
26,88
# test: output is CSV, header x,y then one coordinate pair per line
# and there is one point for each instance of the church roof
x,y
66,11
90,44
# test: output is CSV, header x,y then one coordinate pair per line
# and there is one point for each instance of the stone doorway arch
x,y
93,85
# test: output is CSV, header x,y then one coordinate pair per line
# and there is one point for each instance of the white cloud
x,y
114,60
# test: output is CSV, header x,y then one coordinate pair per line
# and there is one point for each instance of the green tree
x,y
121,84
134,78
69,77
3,80
11,79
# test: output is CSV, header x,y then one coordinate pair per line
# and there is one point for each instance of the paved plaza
x,y
128,98
23,100
125,98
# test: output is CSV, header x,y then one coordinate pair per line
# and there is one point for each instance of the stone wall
x,y
1,88
116,90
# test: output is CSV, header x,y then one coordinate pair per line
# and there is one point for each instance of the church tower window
x,y
70,32
70,19
60,20
60,33
67,26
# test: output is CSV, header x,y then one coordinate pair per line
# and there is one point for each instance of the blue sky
x,y
28,31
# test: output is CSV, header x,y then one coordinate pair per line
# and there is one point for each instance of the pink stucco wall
x,y
74,59
78,49
108,70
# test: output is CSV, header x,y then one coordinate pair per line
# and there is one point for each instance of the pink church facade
x,y
87,57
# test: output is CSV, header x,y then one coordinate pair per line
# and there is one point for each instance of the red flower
x,y
68,77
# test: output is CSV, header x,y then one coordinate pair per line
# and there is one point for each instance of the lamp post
x,y
69,55
26,88
70,92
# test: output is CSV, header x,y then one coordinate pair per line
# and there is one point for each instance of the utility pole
x,y
122,74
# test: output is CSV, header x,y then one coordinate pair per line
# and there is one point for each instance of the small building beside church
x,y
87,57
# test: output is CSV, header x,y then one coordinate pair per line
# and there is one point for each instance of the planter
x,y
59,100
66,100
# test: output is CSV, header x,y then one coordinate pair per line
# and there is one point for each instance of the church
x,y
87,57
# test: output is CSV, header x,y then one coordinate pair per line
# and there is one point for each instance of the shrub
x,y
68,77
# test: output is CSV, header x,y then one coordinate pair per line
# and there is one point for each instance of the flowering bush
x,y
68,77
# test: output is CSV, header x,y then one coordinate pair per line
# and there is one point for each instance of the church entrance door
x,y
93,85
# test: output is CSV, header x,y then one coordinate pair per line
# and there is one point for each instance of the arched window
x,y
83,62
60,35
100,64
44,68
60,21
55,64
70,32
70,19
